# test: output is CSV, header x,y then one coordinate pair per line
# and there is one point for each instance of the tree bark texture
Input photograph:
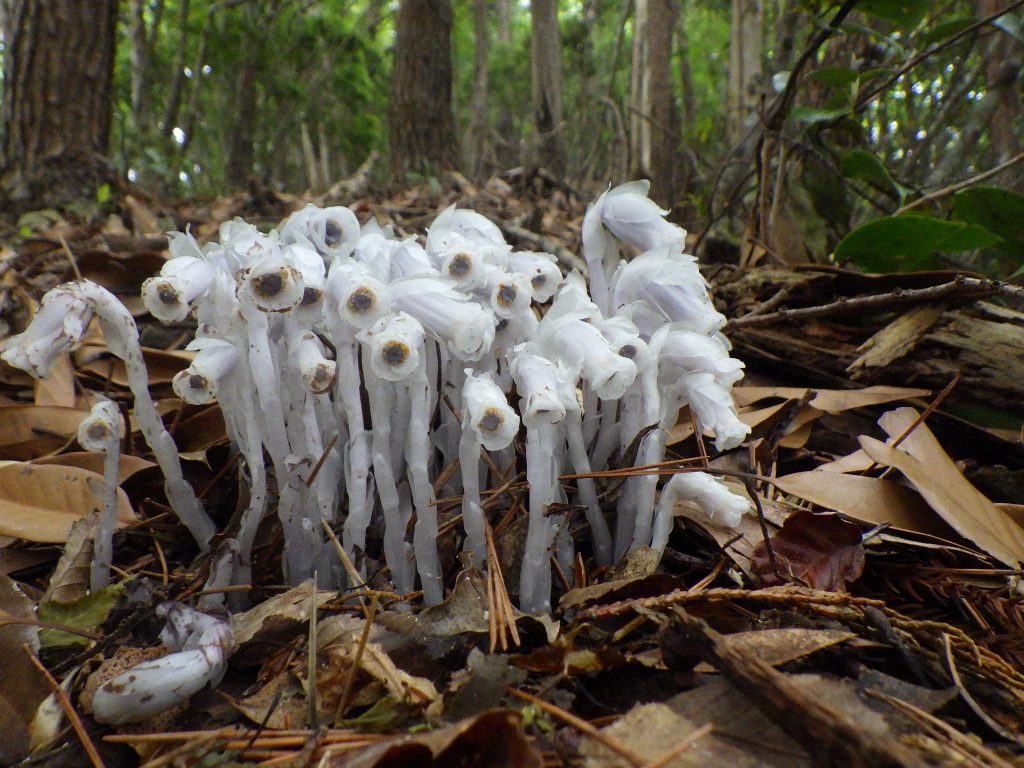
x,y
744,65
547,84
422,127
653,119
478,119
56,108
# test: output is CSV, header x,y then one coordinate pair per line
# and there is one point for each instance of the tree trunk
x,y
744,66
655,134
422,127
56,109
241,152
478,108
546,50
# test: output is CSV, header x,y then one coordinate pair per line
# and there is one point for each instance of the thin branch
x,y
940,193
962,287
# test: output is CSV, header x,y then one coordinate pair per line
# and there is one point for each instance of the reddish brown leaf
x,y
820,550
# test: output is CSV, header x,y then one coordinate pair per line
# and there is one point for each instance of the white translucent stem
x,y
587,491
417,460
535,576
123,340
472,511
348,400
381,394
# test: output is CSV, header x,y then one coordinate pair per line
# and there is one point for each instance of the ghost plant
x,y
365,366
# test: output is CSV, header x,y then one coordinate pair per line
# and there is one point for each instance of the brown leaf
x,y
40,503
22,687
31,431
161,365
93,462
830,400
59,387
820,550
492,740
934,474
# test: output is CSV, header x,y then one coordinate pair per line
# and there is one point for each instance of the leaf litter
x,y
871,616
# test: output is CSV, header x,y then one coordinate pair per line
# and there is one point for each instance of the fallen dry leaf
x,y
22,686
831,400
818,549
59,387
40,503
161,365
93,462
32,431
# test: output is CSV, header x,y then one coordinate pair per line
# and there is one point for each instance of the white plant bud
x,y
487,412
709,493
466,327
198,383
394,343
580,344
181,281
634,218
311,267
272,284
316,371
463,265
713,406
101,427
409,259
690,351
537,381
541,269
243,244
473,225
57,326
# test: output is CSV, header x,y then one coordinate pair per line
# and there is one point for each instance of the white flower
x,y
463,265
330,230
102,425
508,293
198,383
465,326
709,493
362,299
243,244
394,343
487,412
458,227
540,269
537,380
691,351
634,218
181,281
409,259
664,285
713,406
315,370
56,327
272,284
311,268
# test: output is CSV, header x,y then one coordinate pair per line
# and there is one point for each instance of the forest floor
x,y
870,614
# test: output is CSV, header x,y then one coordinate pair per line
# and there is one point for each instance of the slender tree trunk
x,y
56,108
478,117
422,126
504,16
655,137
744,65
547,84
1002,76
241,150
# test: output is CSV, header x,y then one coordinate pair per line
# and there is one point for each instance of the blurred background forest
x,y
781,126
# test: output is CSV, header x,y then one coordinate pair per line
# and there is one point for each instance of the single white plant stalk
x,y
100,432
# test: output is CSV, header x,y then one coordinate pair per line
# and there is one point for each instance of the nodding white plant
x,y
381,362
100,431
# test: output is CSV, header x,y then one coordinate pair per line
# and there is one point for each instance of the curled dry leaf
x,y
93,462
40,503
31,431
820,550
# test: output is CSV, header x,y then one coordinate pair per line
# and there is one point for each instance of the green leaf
x,y
945,29
86,613
864,165
997,210
905,13
909,242
813,115
835,76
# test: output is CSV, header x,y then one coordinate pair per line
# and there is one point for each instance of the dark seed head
x,y
310,296
627,350
167,295
361,300
460,265
538,280
332,233
196,381
97,432
395,353
270,284
492,420
502,325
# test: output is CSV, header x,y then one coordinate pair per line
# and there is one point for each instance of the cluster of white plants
x,y
364,365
